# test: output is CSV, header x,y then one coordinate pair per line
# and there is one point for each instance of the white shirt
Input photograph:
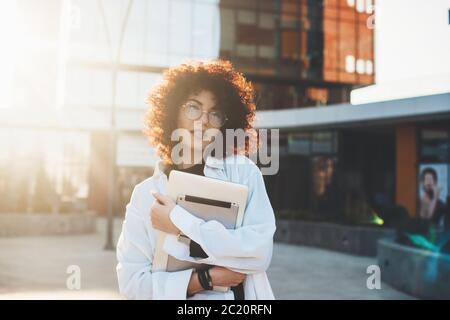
x,y
247,249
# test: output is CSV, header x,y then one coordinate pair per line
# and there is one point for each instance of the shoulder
x,y
141,198
243,168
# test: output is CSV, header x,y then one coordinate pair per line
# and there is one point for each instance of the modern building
x,y
342,163
304,57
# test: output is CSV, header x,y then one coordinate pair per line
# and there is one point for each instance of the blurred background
x,y
359,89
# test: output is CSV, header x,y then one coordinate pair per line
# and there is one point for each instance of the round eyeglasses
x,y
193,111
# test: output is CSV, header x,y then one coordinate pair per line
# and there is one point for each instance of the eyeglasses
x,y
193,111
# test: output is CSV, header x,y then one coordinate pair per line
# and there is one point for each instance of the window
x,y
360,5
350,64
360,66
369,67
324,142
299,144
369,7
434,146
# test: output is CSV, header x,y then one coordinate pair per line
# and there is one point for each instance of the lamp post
x,y
115,59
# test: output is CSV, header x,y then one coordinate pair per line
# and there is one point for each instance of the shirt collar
x,y
212,162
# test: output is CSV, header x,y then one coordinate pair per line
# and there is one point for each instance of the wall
x,y
406,167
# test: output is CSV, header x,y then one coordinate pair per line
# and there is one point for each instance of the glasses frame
x,y
185,106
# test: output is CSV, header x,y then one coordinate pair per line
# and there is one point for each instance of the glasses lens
x,y
193,111
216,119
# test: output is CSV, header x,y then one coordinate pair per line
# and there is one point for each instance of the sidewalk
x,y
35,268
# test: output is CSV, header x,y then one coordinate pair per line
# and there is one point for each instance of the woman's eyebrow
x,y
195,100
215,107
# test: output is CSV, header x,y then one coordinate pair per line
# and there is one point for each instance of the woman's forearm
x,y
194,285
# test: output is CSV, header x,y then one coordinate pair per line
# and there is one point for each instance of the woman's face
x,y
206,101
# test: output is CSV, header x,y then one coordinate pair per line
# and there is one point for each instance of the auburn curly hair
x,y
235,96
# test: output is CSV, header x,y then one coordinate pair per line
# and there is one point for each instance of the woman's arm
x,y
135,250
135,256
246,249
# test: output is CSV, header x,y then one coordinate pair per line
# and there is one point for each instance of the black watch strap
x,y
204,279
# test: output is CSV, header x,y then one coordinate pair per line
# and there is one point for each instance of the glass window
x,y
246,17
360,66
324,195
369,7
434,146
360,5
299,144
324,142
289,40
57,178
350,64
369,67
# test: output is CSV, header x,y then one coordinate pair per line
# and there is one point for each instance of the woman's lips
x,y
197,134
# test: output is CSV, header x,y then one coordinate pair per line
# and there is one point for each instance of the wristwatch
x,y
205,279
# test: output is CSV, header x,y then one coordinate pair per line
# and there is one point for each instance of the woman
x,y
198,97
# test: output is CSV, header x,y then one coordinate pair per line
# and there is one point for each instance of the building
x,y
298,52
344,162
337,161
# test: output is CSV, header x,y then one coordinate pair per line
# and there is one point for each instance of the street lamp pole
x,y
109,245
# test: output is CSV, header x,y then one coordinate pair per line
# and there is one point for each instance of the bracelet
x,y
208,277
202,278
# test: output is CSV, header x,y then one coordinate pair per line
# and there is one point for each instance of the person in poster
x,y
432,193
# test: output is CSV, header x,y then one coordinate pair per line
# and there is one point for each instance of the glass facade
x,y
304,185
283,46
299,52
43,171
338,176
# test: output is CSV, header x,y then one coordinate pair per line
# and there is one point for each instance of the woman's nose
x,y
205,119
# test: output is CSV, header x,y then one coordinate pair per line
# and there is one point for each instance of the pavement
x,y
37,268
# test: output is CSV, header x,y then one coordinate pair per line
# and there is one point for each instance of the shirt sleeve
x,y
246,249
135,256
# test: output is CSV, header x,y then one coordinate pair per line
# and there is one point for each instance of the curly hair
x,y
235,96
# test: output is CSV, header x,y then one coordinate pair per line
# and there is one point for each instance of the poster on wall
x,y
433,190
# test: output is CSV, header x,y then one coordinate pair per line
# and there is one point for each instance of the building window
x,y
360,6
369,7
360,66
350,64
369,67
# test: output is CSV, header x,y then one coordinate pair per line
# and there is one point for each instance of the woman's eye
x,y
193,107
217,114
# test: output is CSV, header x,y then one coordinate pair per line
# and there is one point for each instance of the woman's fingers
x,y
160,197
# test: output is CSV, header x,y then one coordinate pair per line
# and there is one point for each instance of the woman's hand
x,y
160,213
220,276
223,277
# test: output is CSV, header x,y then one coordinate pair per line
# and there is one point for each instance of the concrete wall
x,y
15,224
421,273
356,240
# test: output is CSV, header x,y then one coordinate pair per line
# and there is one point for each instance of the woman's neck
x,y
193,162
183,166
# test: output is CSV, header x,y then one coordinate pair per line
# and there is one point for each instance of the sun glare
x,y
7,45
